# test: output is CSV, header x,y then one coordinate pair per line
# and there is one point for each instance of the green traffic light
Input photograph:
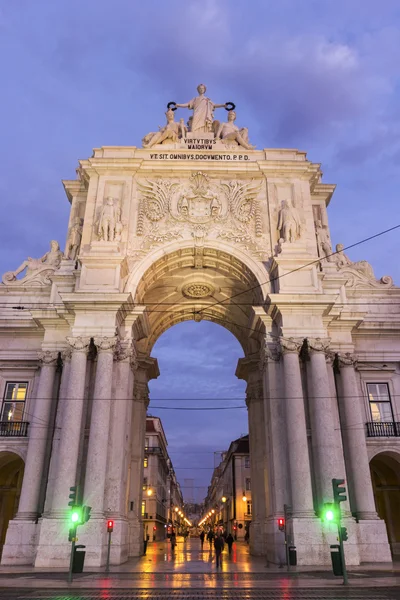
x,y
329,515
75,517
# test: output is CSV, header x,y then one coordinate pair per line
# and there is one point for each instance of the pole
x,y
71,561
108,553
344,569
285,511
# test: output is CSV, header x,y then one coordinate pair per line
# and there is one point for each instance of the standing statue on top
x,y
203,111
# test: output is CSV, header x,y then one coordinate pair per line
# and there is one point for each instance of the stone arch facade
x,y
385,473
196,231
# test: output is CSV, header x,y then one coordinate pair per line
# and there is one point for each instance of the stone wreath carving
x,y
37,270
197,290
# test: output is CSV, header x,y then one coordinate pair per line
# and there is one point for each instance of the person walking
x,y
172,539
219,546
202,536
210,537
229,541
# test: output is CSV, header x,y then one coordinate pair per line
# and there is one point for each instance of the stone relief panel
x,y
109,223
200,208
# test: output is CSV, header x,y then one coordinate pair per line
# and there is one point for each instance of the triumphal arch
x,y
197,224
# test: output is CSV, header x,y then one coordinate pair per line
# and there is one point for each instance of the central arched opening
x,y
200,320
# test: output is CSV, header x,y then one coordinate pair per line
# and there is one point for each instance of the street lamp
x,y
223,499
244,496
149,492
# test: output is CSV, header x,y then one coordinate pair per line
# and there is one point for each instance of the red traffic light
x,y
155,528
281,524
234,527
110,526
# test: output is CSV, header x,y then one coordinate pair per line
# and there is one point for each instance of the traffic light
x,y
329,513
76,515
86,513
72,534
234,528
281,524
343,531
72,495
339,490
110,526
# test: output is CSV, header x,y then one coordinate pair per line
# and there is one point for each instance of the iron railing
x,y
13,428
383,429
152,450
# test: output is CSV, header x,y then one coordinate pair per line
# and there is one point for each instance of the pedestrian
x,y
219,546
210,537
172,539
229,541
202,536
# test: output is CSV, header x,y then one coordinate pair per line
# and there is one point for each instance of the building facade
x,y
193,218
161,490
229,504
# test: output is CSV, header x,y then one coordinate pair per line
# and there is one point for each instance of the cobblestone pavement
x,y
199,594
191,574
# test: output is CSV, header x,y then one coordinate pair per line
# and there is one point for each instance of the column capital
x,y
141,393
270,352
105,344
290,345
79,344
318,344
48,357
347,360
254,393
66,354
125,351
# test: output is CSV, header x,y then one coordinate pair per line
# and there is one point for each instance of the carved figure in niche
x,y
215,207
110,221
324,242
289,224
342,260
37,268
171,132
183,207
74,240
203,111
229,132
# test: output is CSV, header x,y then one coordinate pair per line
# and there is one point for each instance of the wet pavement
x,y
190,573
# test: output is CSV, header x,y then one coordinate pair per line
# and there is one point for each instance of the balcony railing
x,y
383,429
152,450
13,428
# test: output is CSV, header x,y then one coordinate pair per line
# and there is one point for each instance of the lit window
x,y
146,462
379,402
143,508
247,462
248,484
14,402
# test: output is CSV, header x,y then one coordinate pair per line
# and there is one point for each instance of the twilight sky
x,y
319,76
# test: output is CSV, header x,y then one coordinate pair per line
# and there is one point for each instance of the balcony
x,y
153,450
383,429
13,428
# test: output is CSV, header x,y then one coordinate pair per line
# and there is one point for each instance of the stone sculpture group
x,y
201,122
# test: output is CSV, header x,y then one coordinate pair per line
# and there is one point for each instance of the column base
x,y
136,538
54,549
256,538
20,544
351,547
373,542
307,536
274,547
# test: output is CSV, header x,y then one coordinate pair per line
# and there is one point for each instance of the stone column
x,y
362,496
71,426
299,460
327,448
277,451
96,464
115,503
19,547
255,405
52,549
373,543
38,436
